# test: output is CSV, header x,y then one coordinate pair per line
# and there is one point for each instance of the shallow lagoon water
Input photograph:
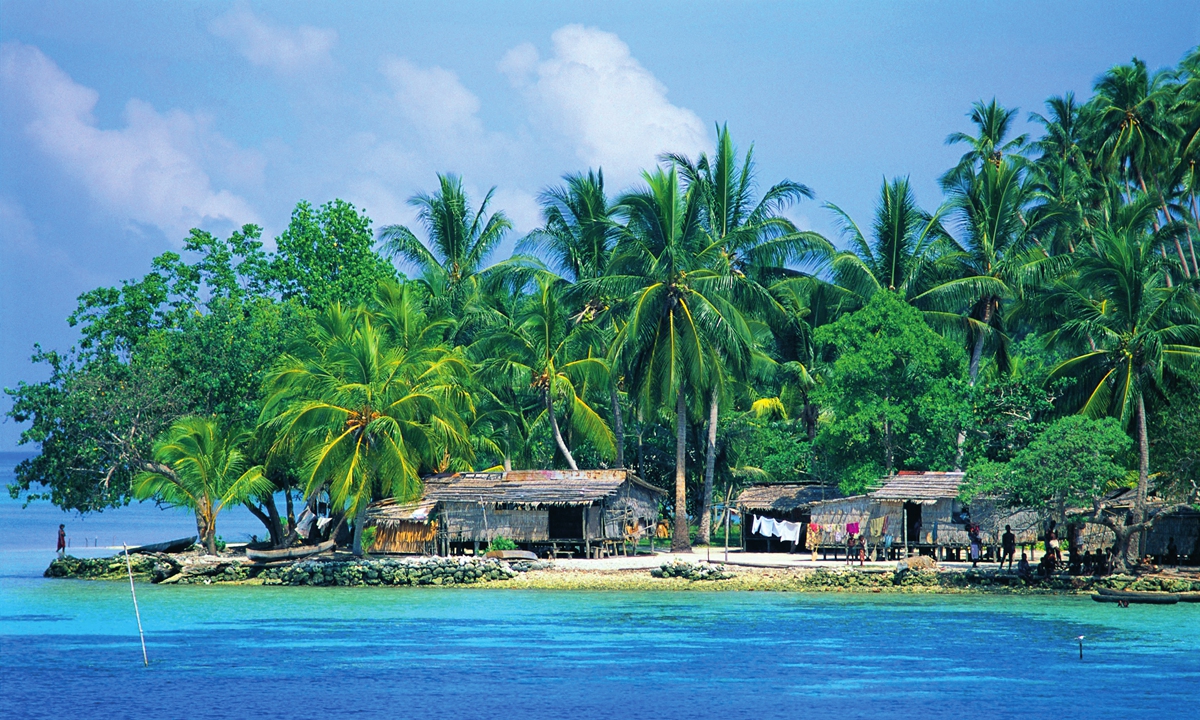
x,y
69,649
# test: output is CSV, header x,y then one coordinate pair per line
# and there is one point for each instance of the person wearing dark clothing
x,y
1023,571
976,545
1172,552
1008,546
62,539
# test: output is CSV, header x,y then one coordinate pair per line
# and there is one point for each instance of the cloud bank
x,y
597,95
150,171
285,50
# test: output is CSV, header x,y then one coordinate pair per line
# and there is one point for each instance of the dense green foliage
x,y
687,329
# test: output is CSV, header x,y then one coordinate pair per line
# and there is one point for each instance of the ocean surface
x,y
69,649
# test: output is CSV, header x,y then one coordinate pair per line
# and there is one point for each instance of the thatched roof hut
x,y
530,507
790,502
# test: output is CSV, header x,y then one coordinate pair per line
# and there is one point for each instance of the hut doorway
x,y
566,523
912,522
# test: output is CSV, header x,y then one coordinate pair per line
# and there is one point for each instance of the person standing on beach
x,y
62,539
1008,546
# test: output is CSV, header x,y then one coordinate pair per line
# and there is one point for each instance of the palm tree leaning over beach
x,y
1131,332
371,406
202,466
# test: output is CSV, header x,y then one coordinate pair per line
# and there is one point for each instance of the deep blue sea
x,y
69,649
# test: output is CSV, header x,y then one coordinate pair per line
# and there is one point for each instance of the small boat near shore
x,y
293,553
1189,597
170,546
1133,597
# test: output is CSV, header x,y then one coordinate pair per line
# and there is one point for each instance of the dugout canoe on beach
x,y
1132,597
294,553
170,546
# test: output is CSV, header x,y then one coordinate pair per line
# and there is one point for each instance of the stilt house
x,y
788,502
546,511
922,512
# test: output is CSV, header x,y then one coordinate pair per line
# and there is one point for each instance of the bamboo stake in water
x,y
137,613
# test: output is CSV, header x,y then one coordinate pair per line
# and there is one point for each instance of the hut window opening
x,y
566,523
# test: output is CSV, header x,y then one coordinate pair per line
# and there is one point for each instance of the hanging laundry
x,y
876,527
852,528
757,524
767,527
813,527
789,531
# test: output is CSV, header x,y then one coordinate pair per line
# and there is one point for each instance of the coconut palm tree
x,y
542,351
460,240
201,465
370,407
905,254
999,253
679,320
991,145
579,236
753,244
1132,331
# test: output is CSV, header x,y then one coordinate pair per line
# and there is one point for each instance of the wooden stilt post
x,y
137,613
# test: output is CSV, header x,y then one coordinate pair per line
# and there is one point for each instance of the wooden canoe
x,y
292,553
511,555
170,546
1141,598
1189,597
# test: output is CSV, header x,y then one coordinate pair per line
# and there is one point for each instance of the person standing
x,y
62,539
1008,546
976,545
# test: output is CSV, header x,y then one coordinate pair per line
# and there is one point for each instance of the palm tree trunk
x,y
1195,219
681,542
710,461
641,449
558,438
360,518
1139,510
977,350
618,425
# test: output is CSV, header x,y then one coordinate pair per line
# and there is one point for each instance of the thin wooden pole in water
x,y
137,613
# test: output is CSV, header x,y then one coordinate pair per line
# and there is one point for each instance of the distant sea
x,y
69,649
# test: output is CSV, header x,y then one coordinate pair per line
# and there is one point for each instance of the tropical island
x,y
653,359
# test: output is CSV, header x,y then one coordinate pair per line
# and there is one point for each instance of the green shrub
x,y
502,543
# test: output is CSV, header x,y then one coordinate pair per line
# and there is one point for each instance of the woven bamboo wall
x,y
466,522
401,536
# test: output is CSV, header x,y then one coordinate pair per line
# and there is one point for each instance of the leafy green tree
x,y
1067,472
201,465
892,393
326,255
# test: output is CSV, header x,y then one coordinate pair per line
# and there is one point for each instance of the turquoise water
x,y
69,649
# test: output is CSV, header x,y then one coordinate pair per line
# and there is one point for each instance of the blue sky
x,y
123,124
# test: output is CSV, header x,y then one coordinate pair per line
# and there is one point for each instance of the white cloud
x,y
596,94
285,50
433,99
151,171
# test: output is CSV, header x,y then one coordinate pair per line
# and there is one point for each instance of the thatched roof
x,y
532,488
393,511
784,497
925,487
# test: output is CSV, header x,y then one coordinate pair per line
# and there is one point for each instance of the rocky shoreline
x,y
345,571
